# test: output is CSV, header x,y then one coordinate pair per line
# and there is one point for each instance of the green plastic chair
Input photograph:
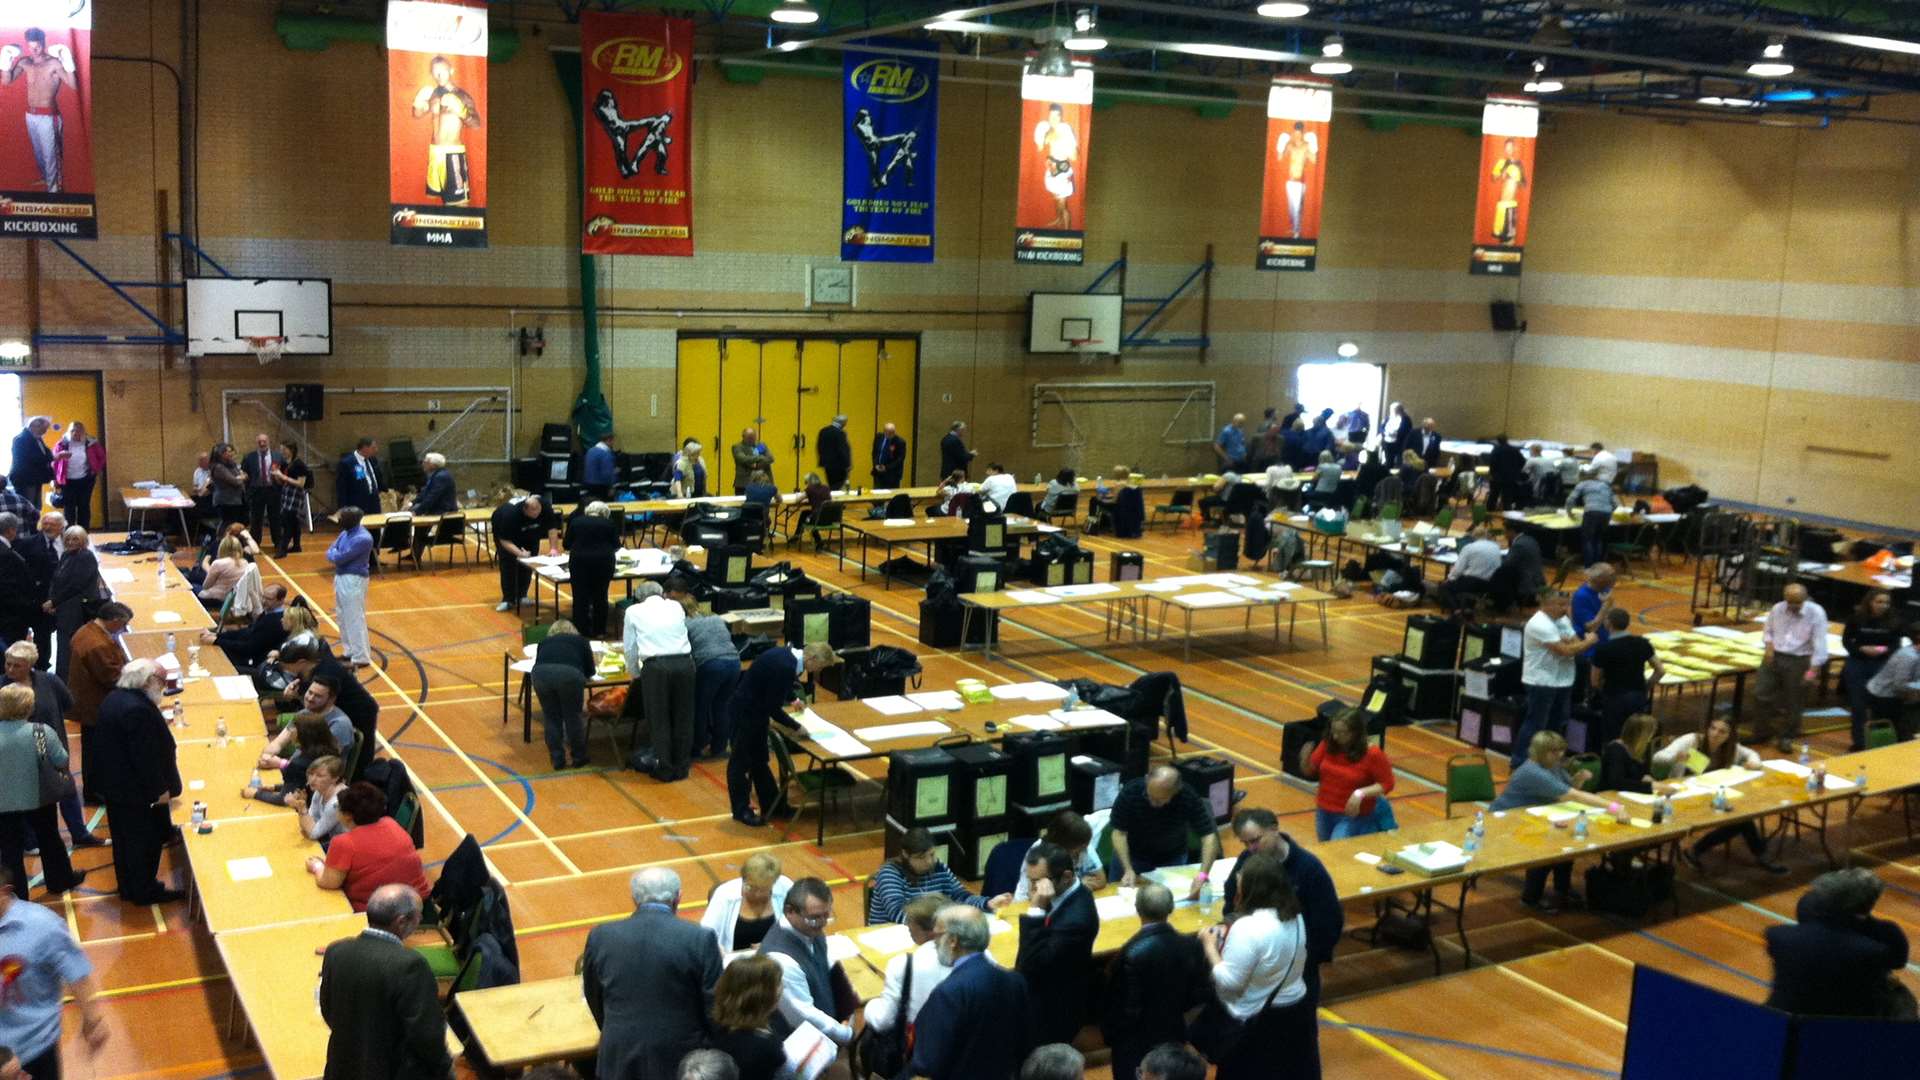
x,y
1589,762
1444,520
1360,507
817,785
1479,514
1179,507
1469,779
1880,733
1390,511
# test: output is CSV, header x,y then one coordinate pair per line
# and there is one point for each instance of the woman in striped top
x,y
918,871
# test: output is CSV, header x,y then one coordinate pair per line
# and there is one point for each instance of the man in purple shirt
x,y
350,554
1796,640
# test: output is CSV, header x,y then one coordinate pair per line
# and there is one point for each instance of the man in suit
x,y
954,454
1427,443
1838,960
1056,943
648,981
263,493
93,670
131,765
889,457
357,480
760,699
1506,475
17,599
1159,974
601,469
380,1001
835,453
41,550
247,647
749,456
976,1024
32,460
436,491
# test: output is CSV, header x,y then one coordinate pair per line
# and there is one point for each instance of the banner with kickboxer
x,y
1056,127
46,119
1299,115
436,124
637,86
1508,130
890,129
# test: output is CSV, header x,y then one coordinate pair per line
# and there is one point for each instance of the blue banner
x,y
892,112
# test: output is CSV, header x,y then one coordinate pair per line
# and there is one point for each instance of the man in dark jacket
x,y
1159,974
1056,943
305,657
1427,443
32,460
648,981
436,491
263,493
760,699
1839,960
1259,830
247,646
358,479
975,1024
889,457
954,454
379,999
1506,476
835,453
17,598
131,765
41,549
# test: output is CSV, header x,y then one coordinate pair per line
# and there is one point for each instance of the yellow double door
x,y
788,389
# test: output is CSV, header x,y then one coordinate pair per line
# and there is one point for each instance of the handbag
x,y
885,1053
1217,1033
56,783
275,678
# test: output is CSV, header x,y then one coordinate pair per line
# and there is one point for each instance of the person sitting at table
x,y
760,488
742,909
1896,687
1624,760
132,765
313,739
818,494
373,850
1872,635
952,487
744,1001
1212,504
1062,485
1471,574
1542,780
1072,834
1413,469
297,619
1836,959
247,646
918,871
1057,932
998,486
1156,977
436,495
1711,749
1106,496
1258,967
517,528
1054,1061
222,574
1326,478
911,977
1154,820
305,657
319,804
1354,777
563,665
319,698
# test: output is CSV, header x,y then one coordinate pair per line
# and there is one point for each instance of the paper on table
x,y
1028,691
1114,907
811,723
1036,723
235,687
1367,857
196,785
116,575
1046,528
164,617
1028,596
887,940
1206,599
252,869
1086,718
998,925
902,731
1160,586
898,523
937,699
891,705
1729,776
840,947
1649,800
547,560
1098,588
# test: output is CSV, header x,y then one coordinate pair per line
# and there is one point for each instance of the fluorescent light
x,y
1086,33
1348,349
1775,49
1282,11
1229,52
794,12
1770,69
790,46
15,351
1544,86
1331,67
1725,102
1333,46
1868,41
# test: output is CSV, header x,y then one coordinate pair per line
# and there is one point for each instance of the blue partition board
x,y
1677,1028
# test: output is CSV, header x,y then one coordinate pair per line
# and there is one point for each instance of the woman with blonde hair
x,y
1542,780
741,910
223,573
24,743
563,664
1623,762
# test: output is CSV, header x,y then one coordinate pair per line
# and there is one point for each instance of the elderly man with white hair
x,y
656,646
436,492
131,765
648,980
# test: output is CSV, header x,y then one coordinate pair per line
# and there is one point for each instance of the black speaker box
x,y
306,401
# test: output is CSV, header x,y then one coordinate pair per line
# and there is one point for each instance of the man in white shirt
x,y
806,974
1074,835
999,486
1472,571
1605,465
1796,640
656,646
1549,647
1538,470
904,994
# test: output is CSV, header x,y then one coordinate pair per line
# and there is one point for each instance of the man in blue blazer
x,y
357,480
974,1025
1056,943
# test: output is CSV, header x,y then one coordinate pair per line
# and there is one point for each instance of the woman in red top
x,y
375,850
1354,780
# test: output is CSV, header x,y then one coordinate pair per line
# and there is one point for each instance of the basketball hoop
x,y
266,349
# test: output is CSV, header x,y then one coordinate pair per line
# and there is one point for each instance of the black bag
x,y
1217,1033
1224,549
274,678
56,782
1685,500
884,1053
739,598
1628,888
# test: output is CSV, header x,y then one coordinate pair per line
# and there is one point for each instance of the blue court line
x,y
513,775
1704,958
1395,1033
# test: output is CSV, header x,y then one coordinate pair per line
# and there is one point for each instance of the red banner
x,y
1298,119
46,119
1056,127
637,134
436,134
1508,130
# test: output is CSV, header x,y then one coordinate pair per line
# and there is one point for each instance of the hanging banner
x,y
46,119
638,134
892,106
1056,126
1299,116
436,144
1507,133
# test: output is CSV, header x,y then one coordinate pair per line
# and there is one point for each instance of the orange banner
x,y
1056,127
436,138
1508,131
1299,116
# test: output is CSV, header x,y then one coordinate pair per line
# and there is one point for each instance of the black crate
x,y
920,786
974,841
977,572
1428,693
1092,782
1212,779
1478,640
982,782
1430,641
1492,724
840,620
940,626
1491,676
1039,766
1126,566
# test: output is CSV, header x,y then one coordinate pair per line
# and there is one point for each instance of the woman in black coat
x,y
592,540
73,593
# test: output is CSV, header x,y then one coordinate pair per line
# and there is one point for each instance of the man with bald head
x,y
976,1023
1796,640
1152,818
889,457
648,981
1230,446
379,999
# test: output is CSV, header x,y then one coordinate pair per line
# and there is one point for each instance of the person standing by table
x,y
889,458
1548,649
1259,964
1157,976
835,454
649,980
601,469
1057,932
1796,641
761,699
76,588
593,547
689,473
25,810
78,461
749,454
1871,636
379,999
1622,661
744,1001
41,549
228,497
45,965
716,670
350,555
1586,611
1605,464
132,764
358,478
1506,475
660,660
1596,502
977,1022
911,978
1152,818
1230,446
562,667
52,702
1354,777
263,494
1897,686
954,455
516,528
91,672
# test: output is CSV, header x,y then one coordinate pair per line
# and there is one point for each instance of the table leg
x,y
1325,642
506,673
1187,653
1460,925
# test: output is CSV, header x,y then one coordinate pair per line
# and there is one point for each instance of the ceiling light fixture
x,y
1052,61
1281,11
794,13
1086,32
1348,349
1725,102
15,351
1773,62
1540,84
1333,46
790,46
1331,67
952,21
1332,49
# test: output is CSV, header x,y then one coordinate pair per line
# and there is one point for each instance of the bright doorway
x,y
1341,385
12,418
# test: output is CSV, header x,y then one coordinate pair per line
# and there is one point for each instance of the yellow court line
x,y
142,936
452,746
1383,1046
1552,993
416,610
1608,953
170,984
728,853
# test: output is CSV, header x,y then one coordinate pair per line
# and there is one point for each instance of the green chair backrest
x,y
1880,733
535,634
407,811
1103,848
1444,519
1469,779
1589,762
1480,514
1360,507
1390,511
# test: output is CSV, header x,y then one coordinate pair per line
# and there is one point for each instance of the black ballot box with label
x,y
1039,766
1126,566
1212,779
1430,641
1478,640
1093,783
920,786
974,840
982,775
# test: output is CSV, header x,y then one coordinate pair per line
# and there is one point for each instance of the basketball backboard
x,y
223,314
1074,323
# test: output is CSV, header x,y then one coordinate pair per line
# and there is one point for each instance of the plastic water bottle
x,y
220,730
1580,826
1479,825
177,718
1663,810
1860,778
1206,896
1806,755
171,644
253,781
199,812
1073,698
160,576
1720,799
1472,845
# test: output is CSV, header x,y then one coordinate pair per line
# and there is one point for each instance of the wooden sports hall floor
x,y
1546,997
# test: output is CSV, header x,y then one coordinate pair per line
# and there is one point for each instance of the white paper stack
x,y
1085,718
912,730
935,700
1036,723
887,940
891,705
1028,596
1206,599
1098,588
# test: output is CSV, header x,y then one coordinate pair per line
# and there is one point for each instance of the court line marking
x,y
1368,1038
1457,1044
1581,1006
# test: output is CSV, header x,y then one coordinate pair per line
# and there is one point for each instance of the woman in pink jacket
x,y
78,461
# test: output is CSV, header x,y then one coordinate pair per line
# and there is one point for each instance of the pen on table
x,y
535,1012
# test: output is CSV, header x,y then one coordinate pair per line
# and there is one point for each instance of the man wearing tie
x,y
1429,443
263,498
357,480
889,457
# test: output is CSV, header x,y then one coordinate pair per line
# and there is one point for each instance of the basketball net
x,y
267,349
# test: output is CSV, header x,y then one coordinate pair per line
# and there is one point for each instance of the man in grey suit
x,y
379,999
649,981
